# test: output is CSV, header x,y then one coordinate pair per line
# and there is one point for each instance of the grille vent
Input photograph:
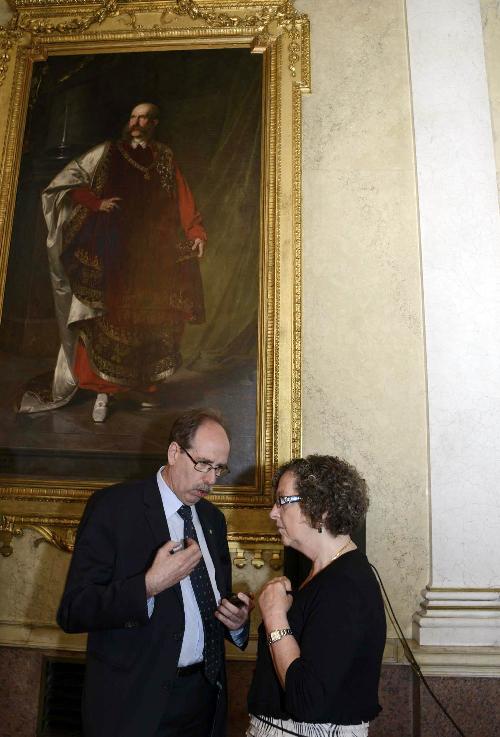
x,y
61,698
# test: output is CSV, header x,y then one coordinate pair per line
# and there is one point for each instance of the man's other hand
x,y
168,569
232,616
110,204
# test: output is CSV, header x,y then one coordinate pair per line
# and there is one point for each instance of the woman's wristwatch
x,y
276,635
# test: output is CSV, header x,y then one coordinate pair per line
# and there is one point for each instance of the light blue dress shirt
x,y
193,640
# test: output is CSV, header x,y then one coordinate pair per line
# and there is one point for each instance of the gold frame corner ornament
x,y
278,31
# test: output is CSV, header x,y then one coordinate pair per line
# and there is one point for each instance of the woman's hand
x,y
274,602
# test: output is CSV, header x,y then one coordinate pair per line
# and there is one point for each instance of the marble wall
x,y
460,239
364,369
490,14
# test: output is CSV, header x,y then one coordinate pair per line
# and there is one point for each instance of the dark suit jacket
x,y
131,658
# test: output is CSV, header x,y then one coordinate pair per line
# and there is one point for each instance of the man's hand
x,y
199,245
168,569
232,616
110,204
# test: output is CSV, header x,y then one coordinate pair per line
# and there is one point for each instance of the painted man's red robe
x,y
128,262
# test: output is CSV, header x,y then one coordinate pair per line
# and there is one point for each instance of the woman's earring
x,y
320,529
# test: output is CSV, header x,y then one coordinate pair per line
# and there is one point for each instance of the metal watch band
x,y
277,635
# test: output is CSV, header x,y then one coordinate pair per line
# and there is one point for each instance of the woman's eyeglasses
x,y
282,500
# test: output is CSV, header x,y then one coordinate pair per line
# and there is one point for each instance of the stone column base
x,y
458,617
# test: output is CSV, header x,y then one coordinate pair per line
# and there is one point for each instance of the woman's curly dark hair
x,y
333,493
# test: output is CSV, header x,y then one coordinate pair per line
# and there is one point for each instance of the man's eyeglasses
x,y
205,466
282,500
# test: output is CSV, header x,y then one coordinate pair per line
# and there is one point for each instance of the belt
x,y
188,670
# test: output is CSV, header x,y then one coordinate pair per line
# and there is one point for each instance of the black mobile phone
x,y
236,601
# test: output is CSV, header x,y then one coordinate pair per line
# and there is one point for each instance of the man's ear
x,y
173,453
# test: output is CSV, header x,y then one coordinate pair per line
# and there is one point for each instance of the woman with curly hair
x,y
320,648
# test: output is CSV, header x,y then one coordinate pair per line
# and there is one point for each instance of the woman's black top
x,y
339,623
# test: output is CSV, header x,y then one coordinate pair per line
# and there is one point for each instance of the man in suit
x,y
157,612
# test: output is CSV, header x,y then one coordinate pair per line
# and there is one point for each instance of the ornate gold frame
x,y
277,30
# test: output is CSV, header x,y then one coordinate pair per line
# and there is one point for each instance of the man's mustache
x,y
146,132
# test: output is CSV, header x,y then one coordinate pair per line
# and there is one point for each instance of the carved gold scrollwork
x,y
75,25
224,20
59,533
65,542
8,35
8,529
279,16
283,15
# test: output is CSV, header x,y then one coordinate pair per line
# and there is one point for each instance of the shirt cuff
x,y
238,637
151,606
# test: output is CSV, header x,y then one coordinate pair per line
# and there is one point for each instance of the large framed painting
x,y
138,281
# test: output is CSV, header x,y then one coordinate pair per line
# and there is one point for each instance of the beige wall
x,y
363,372
364,377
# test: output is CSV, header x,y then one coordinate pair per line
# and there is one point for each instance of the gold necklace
x,y
144,169
337,555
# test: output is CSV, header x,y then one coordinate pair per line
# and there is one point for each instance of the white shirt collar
x,y
171,503
138,143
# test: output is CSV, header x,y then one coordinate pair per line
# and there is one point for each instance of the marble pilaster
x,y
460,244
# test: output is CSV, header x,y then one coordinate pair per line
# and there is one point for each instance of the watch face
x,y
277,635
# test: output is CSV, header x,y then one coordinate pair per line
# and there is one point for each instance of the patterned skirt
x,y
269,727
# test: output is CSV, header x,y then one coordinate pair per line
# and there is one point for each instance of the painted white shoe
x,y
100,411
150,404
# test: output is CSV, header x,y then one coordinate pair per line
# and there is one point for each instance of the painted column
x,y
460,241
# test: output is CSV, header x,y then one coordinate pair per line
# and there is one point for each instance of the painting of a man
x,y
124,241
131,316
